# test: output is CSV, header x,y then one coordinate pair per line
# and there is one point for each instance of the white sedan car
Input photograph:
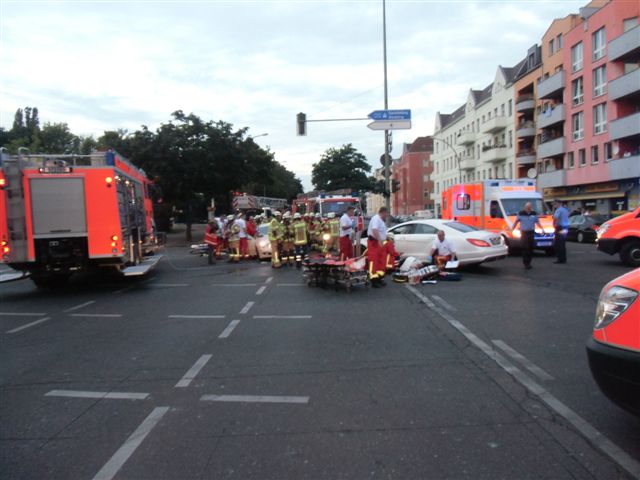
x,y
260,246
472,246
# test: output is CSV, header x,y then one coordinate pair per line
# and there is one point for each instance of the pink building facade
x,y
412,171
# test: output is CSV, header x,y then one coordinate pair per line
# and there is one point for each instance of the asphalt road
x,y
200,372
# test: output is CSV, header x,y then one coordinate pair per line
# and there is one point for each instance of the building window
x,y
510,139
577,91
599,43
608,152
570,160
600,81
600,118
551,46
576,57
594,155
582,157
502,109
578,126
559,42
510,107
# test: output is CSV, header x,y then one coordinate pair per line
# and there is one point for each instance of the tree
x,y
57,138
339,168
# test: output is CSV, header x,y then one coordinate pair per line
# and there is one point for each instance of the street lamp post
x,y
456,155
387,158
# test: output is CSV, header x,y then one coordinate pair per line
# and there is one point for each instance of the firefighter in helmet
x,y
316,232
274,238
332,232
234,239
300,238
288,247
211,239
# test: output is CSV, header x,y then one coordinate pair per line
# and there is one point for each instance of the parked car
x,y
614,348
473,246
260,246
621,235
583,228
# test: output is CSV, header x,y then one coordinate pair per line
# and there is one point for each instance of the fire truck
x,y
494,204
323,203
253,203
61,214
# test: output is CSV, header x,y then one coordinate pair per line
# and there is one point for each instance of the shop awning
x,y
592,196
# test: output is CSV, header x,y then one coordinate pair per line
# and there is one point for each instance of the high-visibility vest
x,y
300,230
334,227
235,233
274,230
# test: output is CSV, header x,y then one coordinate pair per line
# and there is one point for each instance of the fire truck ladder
x,y
12,167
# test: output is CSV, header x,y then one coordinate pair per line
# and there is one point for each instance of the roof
x,y
421,144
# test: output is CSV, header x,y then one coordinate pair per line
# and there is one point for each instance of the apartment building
x,y
476,141
589,152
413,172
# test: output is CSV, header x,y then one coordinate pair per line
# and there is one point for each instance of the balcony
x,y
494,153
626,47
557,178
467,162
525,103
552,86
552,148
626,167
526,130
625,87
625,127
526,157
551,117
495,124
466,138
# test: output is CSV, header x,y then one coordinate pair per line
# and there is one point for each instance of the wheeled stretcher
x,y
325,272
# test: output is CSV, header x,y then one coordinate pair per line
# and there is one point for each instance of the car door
x,y
422,239
401,234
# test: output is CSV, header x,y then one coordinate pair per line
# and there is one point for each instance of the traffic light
x,y
395,186
301,119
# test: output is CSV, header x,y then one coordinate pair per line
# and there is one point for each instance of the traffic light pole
x,y
387,157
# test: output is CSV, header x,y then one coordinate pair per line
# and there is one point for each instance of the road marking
x,y
21,314
444,303
78,307
247,307
282,316
234,284
525,362
168,284
254,398
97,315
115,463
196,316
587,430
261,290
227,331
268,280
101,395
193,371
28,325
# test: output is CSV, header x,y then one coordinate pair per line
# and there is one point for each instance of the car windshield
x,y
461,227
512,206
339,208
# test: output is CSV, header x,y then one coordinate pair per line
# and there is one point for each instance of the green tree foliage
x,y
57,138
342,167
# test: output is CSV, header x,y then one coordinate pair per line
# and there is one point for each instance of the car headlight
x,y
549,230
602,230
612,303
517,234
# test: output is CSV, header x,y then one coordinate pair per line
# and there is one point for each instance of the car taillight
x,y
595,227
478,243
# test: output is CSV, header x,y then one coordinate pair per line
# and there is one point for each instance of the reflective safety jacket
x,y
300,233
334,227
275,232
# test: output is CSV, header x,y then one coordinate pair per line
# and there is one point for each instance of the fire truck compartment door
x,y
58,207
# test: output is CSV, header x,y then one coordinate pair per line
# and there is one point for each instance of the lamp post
x,y
456,155
257,136
387,163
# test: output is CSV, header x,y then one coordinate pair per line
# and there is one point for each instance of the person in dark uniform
x,y
528,220
561,225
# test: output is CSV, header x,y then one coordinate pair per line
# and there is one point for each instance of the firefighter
x,y
234,239
391,254
333,229
377,233
288,246
211,239
300,238
274,238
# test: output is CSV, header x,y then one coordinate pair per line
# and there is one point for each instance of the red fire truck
x,y
61,214
325,203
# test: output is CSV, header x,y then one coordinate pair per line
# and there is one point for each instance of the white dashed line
x,y
525,362
268,280
193,371
234,284
261,290
444,303
119,458
246,308
28,325
78,307
254,398
227,331
282,316
21,314
97,315
101,395
196,316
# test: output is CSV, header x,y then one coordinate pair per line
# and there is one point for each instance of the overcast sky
x,y
119,64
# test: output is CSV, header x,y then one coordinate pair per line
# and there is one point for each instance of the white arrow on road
x,y
390,125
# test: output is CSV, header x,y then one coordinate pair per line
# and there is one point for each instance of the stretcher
x,y
319,271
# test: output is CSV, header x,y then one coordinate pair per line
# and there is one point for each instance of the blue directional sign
x,y
390,115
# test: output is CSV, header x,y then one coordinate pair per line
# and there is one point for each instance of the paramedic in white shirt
x,y
442,251
377,233
244,242
346,234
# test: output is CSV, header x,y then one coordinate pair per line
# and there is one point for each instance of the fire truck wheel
x,y
630,253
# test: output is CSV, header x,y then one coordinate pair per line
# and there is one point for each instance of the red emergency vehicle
x,y
494,204
614,348
61,214
621,235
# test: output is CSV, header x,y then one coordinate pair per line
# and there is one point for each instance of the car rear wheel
x,y
580,237
630,253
